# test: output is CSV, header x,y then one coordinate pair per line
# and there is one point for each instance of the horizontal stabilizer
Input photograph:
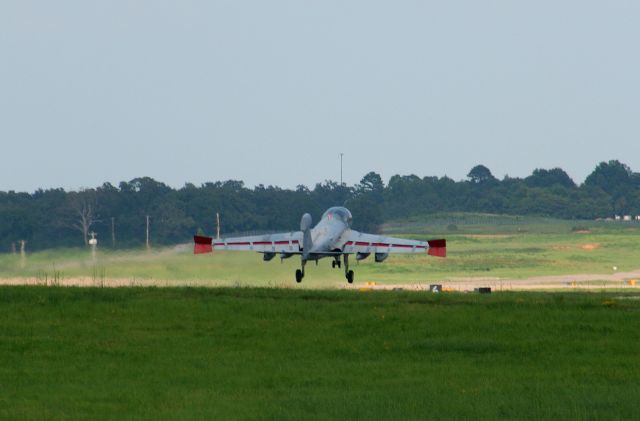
x,y
437,248
202,244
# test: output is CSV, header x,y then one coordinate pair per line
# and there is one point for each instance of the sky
x,y
271,92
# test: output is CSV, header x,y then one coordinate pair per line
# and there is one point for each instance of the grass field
x,y
294,352
244,353
482,246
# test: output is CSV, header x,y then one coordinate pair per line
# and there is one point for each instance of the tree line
x,y
117,214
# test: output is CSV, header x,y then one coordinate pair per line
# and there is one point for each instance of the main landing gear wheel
x,y
299,275
348,273
333,264
350,276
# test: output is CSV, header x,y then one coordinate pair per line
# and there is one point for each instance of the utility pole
x,y
93,242
217,226
148,247
341,168
113,232
23,253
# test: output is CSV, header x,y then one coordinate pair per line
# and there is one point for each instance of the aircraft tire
x,y
299,276
350,276
333,264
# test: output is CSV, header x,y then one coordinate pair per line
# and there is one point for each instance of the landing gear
x,y
348,273
300,272
335,263
350,276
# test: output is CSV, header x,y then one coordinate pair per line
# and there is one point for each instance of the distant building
x,y
626,218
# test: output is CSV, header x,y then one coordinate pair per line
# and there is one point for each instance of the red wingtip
x,y
202,244
437,248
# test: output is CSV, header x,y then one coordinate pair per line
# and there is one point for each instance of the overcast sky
x,y
270,92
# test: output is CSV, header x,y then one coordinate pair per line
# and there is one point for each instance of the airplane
x,y
332,237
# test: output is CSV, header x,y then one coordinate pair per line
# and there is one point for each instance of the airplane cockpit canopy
x,y
340,213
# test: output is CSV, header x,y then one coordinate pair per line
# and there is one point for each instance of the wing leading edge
x,y
270,243
358,242
291,243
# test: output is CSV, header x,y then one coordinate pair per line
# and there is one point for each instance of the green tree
x,y
480,175
366,203
549,178
618,181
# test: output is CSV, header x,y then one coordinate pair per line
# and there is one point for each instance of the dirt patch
x,y
503,285
481,236
615,281
106,282
590,246
582,232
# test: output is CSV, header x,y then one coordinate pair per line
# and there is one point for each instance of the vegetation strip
x,y
123,215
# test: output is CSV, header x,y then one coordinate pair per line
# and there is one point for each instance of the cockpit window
x,y
340,213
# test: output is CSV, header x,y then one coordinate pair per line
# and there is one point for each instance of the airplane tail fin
x,y
305,227
437,248
202,244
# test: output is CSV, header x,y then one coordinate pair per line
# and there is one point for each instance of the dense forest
x,y
57,218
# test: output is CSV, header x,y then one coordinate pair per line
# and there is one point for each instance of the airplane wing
x,y
358,242
269,243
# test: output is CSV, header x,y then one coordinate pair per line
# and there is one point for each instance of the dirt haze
x,y
621,280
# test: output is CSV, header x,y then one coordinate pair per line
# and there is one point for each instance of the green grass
x,y
283,354
479,223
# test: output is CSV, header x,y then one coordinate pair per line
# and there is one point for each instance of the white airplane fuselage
x,y
329,234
